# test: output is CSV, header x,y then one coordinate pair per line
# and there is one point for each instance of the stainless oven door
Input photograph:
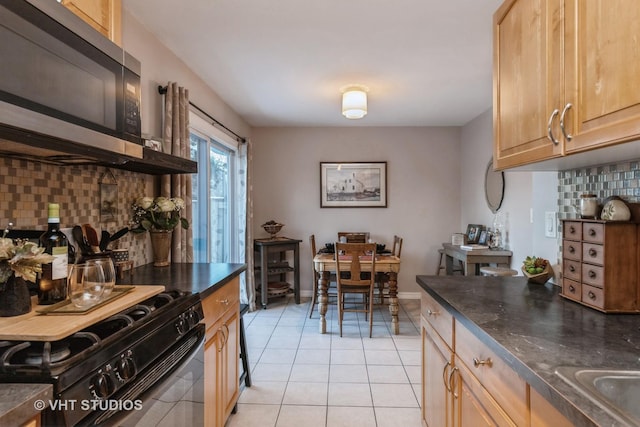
x,y
176,399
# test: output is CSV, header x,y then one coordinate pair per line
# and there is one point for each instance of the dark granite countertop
x,y
203,278
19,402
535,331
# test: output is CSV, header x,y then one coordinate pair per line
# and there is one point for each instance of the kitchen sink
x,y
615,391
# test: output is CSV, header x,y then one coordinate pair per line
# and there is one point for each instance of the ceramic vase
x,y
14,297
161,244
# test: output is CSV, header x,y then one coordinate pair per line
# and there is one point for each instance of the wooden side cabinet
x,y
272,267
600,264
221,353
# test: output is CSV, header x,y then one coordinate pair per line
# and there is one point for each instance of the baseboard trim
x,y
401,295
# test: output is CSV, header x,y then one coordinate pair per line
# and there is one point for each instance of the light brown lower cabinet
x,y
221,353
465,384
33,422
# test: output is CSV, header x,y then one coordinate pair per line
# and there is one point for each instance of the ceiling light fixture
x,y
354,102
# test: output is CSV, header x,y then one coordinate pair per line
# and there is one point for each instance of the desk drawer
x,y
593,254
571,269
439,318
572,250
592,232
572,289
593,296
593,275
572,230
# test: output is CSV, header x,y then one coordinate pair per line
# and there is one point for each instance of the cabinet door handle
x,y
224,340
224,301
550,130
444,377
564,113
482,362
451,382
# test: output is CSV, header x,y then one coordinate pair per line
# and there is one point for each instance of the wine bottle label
x,y
60,263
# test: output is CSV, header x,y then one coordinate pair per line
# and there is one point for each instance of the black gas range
x,y
104,369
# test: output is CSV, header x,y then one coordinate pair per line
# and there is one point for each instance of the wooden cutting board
x,y
47,327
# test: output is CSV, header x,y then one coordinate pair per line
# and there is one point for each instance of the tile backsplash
x,y
27,187
619,179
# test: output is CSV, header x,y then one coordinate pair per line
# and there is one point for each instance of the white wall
x,y
423,168
525,192
159,66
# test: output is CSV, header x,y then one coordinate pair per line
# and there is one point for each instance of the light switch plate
x,y
550,224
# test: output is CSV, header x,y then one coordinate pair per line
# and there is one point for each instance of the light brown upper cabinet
x,y
104,16
564,76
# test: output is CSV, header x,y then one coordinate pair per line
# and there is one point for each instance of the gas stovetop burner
x,y
55,353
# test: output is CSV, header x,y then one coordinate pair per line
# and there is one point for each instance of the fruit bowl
x,y
272,228
536,269
539,278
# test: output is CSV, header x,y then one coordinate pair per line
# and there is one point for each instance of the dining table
x,y
473,259
325,264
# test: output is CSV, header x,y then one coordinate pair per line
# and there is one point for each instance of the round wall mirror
x,y
493,187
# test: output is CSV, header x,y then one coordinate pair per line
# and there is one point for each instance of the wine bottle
x,y
52,287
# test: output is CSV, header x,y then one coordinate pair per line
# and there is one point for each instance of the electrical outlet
x,y
550,224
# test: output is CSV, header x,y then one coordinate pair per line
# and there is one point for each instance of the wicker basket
x,y
540,278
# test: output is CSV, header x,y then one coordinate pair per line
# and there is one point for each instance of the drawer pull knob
x,y
481,362
572,289
572,269
592,232
572,249
593,252
592,295
572,229
592,274
432,313
224,301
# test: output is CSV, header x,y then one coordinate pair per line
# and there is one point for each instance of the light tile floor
x,y
304,378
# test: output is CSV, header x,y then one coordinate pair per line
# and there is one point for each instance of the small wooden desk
x,y
473,259
325,264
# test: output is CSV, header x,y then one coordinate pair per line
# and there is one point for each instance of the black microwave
x,y
60,77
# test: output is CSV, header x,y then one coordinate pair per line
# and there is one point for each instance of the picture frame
x,y
482,239
353,185
473,233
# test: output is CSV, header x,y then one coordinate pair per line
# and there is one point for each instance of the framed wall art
x,y
353,185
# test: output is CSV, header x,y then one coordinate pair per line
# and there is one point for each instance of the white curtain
x,y
245,209
176,142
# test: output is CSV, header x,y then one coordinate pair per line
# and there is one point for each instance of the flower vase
x,y
161,244
14,297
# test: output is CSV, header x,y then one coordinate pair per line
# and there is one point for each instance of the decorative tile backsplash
x,y
619,179
27,187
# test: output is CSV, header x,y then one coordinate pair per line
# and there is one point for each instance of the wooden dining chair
x,y
315,276
354,237
351,279
382,279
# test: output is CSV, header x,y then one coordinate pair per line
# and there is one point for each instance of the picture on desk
x,y
473,233
482,240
